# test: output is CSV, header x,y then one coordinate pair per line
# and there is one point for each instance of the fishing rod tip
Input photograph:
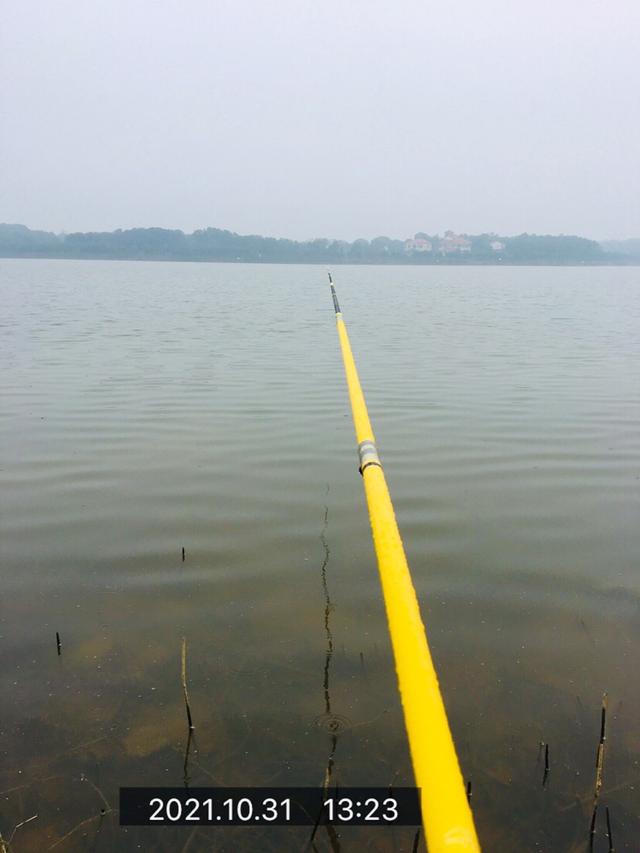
x,y
330,279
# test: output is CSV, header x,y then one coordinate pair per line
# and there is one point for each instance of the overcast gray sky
x,y
338,119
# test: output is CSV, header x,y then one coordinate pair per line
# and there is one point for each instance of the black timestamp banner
x,y
276,806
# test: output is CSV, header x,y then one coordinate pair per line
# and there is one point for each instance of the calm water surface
x,y
148,407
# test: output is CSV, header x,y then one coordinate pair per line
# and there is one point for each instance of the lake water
x,y
148,407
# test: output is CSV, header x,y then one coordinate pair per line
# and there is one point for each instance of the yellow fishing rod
x,y
446,816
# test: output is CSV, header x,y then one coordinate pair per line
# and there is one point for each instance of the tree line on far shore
x,y
215,244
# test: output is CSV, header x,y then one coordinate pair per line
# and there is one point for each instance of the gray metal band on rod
x,y
368,453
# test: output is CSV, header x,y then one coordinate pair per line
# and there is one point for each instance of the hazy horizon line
x,y
64,232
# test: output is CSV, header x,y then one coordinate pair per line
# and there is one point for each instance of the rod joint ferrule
x,y
368,453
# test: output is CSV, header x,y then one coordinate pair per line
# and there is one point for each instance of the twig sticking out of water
x,y
546,765
599,773
327,608
416,841
329,652
184,554
185,766
600,752
58,644
328,773
609,833
184,684
334,838
592,829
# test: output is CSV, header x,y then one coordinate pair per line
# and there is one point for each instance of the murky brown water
x,y
150,407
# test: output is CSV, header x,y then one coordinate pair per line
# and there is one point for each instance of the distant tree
x,y
481,245
533,248
21,240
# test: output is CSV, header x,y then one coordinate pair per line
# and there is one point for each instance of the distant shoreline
x,y
215,245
